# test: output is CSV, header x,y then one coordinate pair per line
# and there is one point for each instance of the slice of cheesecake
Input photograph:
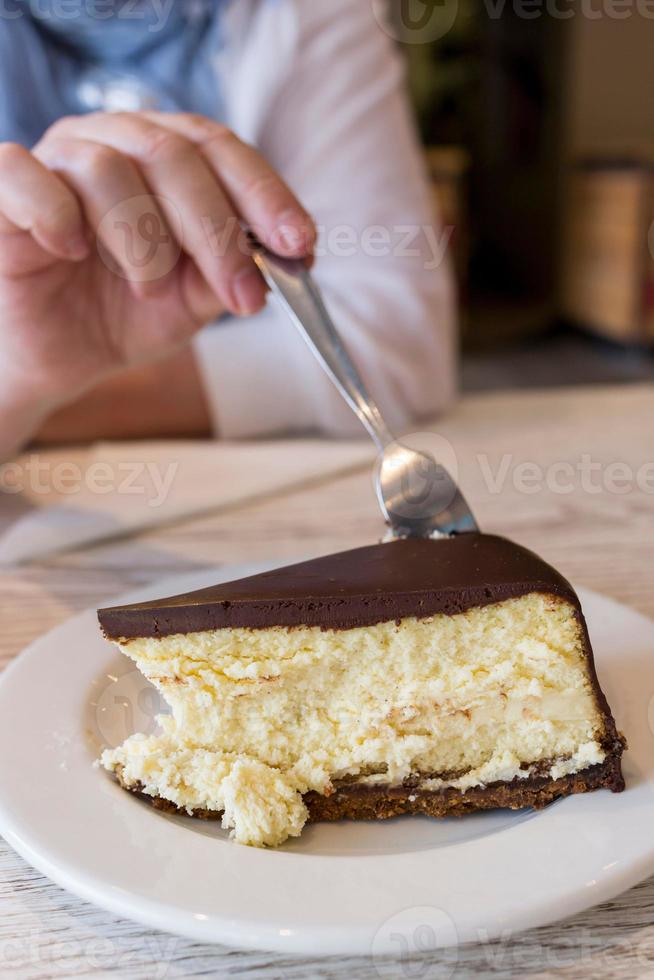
x,y
437,677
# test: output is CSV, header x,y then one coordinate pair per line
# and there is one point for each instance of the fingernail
x,y
77,246
249,291
295,233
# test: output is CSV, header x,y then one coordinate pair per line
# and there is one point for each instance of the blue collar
x,y
119,31
106,55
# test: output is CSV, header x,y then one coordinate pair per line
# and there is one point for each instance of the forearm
x,y
163,399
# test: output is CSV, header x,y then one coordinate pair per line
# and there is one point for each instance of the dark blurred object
x,y
444,72
492,85
448,167
523,89
517,146
608,257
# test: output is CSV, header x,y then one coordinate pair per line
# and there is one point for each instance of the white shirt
x,y
318,89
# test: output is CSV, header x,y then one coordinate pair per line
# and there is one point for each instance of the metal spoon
x,y
417,495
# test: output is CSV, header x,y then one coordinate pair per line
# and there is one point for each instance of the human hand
x,y
120,236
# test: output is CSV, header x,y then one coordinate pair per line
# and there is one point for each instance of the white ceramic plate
x,y
391,887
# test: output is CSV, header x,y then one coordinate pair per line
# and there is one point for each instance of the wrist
x,y
26,404
21,415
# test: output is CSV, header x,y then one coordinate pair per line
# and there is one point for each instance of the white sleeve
x,y
338,129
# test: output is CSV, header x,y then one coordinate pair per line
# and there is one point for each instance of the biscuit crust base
x,y
361,801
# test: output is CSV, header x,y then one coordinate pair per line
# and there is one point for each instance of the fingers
x,y
133,234
187,190
36,201
258,193
199,299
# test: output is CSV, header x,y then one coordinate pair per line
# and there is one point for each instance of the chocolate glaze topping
x,y
413,577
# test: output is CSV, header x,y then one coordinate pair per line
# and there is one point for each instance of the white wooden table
x,y
581,514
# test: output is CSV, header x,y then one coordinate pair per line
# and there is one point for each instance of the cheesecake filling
x,y
261,717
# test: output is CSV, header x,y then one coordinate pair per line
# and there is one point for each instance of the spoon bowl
x,y
417,495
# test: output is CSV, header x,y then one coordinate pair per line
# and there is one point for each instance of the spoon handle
x,y
295,288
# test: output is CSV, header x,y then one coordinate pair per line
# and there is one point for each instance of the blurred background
x,y
538,123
